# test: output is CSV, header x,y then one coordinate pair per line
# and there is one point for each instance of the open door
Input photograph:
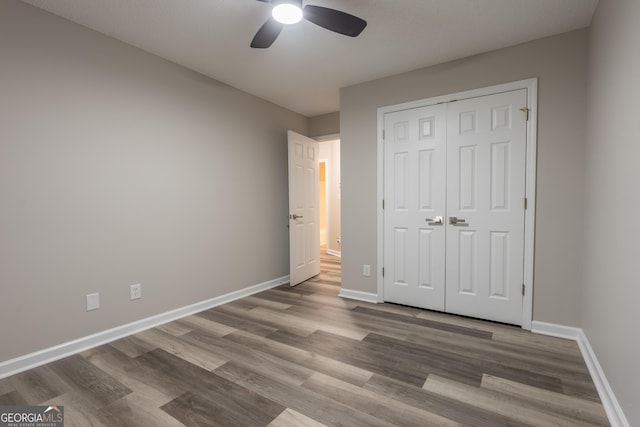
x,y
304,245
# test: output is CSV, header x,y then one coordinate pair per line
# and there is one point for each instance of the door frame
x,y
531,85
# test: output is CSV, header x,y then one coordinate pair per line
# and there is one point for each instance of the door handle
x,y
435,221
454,220
294,216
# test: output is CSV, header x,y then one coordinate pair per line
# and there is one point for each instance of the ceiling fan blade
x,y
334,20
267,34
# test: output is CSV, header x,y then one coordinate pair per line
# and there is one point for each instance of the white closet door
x,y
414,187
486,153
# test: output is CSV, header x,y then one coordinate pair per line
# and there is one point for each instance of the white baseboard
x,y
609,401
334,253
38,358
358,295
554,330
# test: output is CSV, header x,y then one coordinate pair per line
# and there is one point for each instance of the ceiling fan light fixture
x,y
287,13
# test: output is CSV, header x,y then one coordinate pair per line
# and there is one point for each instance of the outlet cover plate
x,y
366,270
135,291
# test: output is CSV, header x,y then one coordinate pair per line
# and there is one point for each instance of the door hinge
x,y
523,289
383,135
525,110
382,271
382,203
525,203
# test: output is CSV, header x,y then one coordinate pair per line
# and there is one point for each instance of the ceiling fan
x,y
287,12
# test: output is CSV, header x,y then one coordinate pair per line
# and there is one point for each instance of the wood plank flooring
x,y
303,356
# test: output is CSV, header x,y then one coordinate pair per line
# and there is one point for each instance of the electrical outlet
x,y
135,291
93,301
366,270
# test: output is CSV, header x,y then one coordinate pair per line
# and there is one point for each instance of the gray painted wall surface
x,y
560,63
611,291
117,167
326,124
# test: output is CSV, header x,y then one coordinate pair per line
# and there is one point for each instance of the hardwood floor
x,y
303,356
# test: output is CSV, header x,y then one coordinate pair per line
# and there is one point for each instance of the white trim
x,y
555,330
611,406
38,358
379,201
358,295
531,85
334,253
609,401
530,194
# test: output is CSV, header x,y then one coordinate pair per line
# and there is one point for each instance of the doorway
x,y
305,201
329,197
323,203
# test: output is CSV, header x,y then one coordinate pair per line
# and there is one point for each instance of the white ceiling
x,y
307,65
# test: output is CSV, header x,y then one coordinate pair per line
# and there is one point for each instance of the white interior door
x,y
304,245
415,173
486,150
463,161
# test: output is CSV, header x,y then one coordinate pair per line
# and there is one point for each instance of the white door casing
x,y
415,158
486,159
304,245
480,249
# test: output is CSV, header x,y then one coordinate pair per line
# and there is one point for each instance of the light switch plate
x,y
93,301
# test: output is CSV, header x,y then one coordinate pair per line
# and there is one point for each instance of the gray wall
x,y
560,63
117,167
611,291
326,124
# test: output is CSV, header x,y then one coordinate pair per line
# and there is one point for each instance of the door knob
x,y
435,221
454,220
